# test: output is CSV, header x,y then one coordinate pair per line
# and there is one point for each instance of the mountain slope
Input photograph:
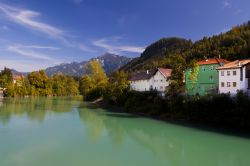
x,y
109,61
156,54
232,45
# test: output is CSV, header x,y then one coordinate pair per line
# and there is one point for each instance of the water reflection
x,y
175,145
35,108
123,134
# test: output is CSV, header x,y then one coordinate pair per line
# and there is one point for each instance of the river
x,y
69,132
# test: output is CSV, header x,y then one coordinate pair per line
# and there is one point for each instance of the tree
x,y
117,86
93,85
40,83
193,76
6,78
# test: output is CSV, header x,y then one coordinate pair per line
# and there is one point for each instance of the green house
x,y
206,79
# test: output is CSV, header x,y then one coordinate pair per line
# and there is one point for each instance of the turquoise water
x,y
68,132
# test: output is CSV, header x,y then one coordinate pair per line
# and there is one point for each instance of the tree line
x,y
37,83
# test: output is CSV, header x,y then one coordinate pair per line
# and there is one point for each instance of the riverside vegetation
x,y
179,54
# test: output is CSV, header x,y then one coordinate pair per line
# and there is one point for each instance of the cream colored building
x,y
151,80
235,76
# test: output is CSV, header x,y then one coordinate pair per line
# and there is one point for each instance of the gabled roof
x,y
165,72
145,75
212,61
235,64
17,77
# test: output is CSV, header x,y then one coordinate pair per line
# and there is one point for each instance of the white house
x,y
234,76
151,80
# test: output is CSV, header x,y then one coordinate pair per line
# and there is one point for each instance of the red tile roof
x,y
166,72
17,77
212,61
235,64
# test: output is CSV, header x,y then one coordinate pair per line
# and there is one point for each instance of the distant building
x,y
208,79
17,78
151,80
234,76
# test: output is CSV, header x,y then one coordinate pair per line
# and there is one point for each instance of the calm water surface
x,y
68,132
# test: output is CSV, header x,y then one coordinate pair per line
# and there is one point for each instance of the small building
x,y
17,78
234,76
151,80
207,80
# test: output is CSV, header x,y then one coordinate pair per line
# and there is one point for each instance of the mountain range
x,y
110,63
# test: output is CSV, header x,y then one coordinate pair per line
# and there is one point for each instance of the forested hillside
x,y
234,44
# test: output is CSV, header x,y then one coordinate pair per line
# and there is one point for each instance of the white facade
x,y
157,82
233,80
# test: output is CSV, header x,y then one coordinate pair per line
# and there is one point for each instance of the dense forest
x,y
232,45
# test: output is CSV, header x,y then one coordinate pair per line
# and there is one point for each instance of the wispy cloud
x,y
30,19
30,53
112,45
41,47
23,65
226,4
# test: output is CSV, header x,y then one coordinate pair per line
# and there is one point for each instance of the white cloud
x,y
226,4
41,47
23,65
30,53
112,46
29,19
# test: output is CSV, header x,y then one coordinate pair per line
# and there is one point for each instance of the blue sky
x,y
36,34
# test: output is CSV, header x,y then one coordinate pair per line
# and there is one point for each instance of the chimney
x,y
239,64
147,72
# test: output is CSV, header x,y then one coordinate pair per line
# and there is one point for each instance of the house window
x,y
234,73
211,78
228,84
247,73
228,73
234,84
203,68
222,84
222,73
212,68
161,80
161,87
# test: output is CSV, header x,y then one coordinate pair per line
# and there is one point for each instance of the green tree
x,y
40,83
93,85
193,76
6,78
117,87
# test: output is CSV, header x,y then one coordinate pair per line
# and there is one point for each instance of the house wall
x,y
157,82
140,85
240,84
230,79
207,80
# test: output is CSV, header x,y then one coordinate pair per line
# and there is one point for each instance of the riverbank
x,y
218,113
